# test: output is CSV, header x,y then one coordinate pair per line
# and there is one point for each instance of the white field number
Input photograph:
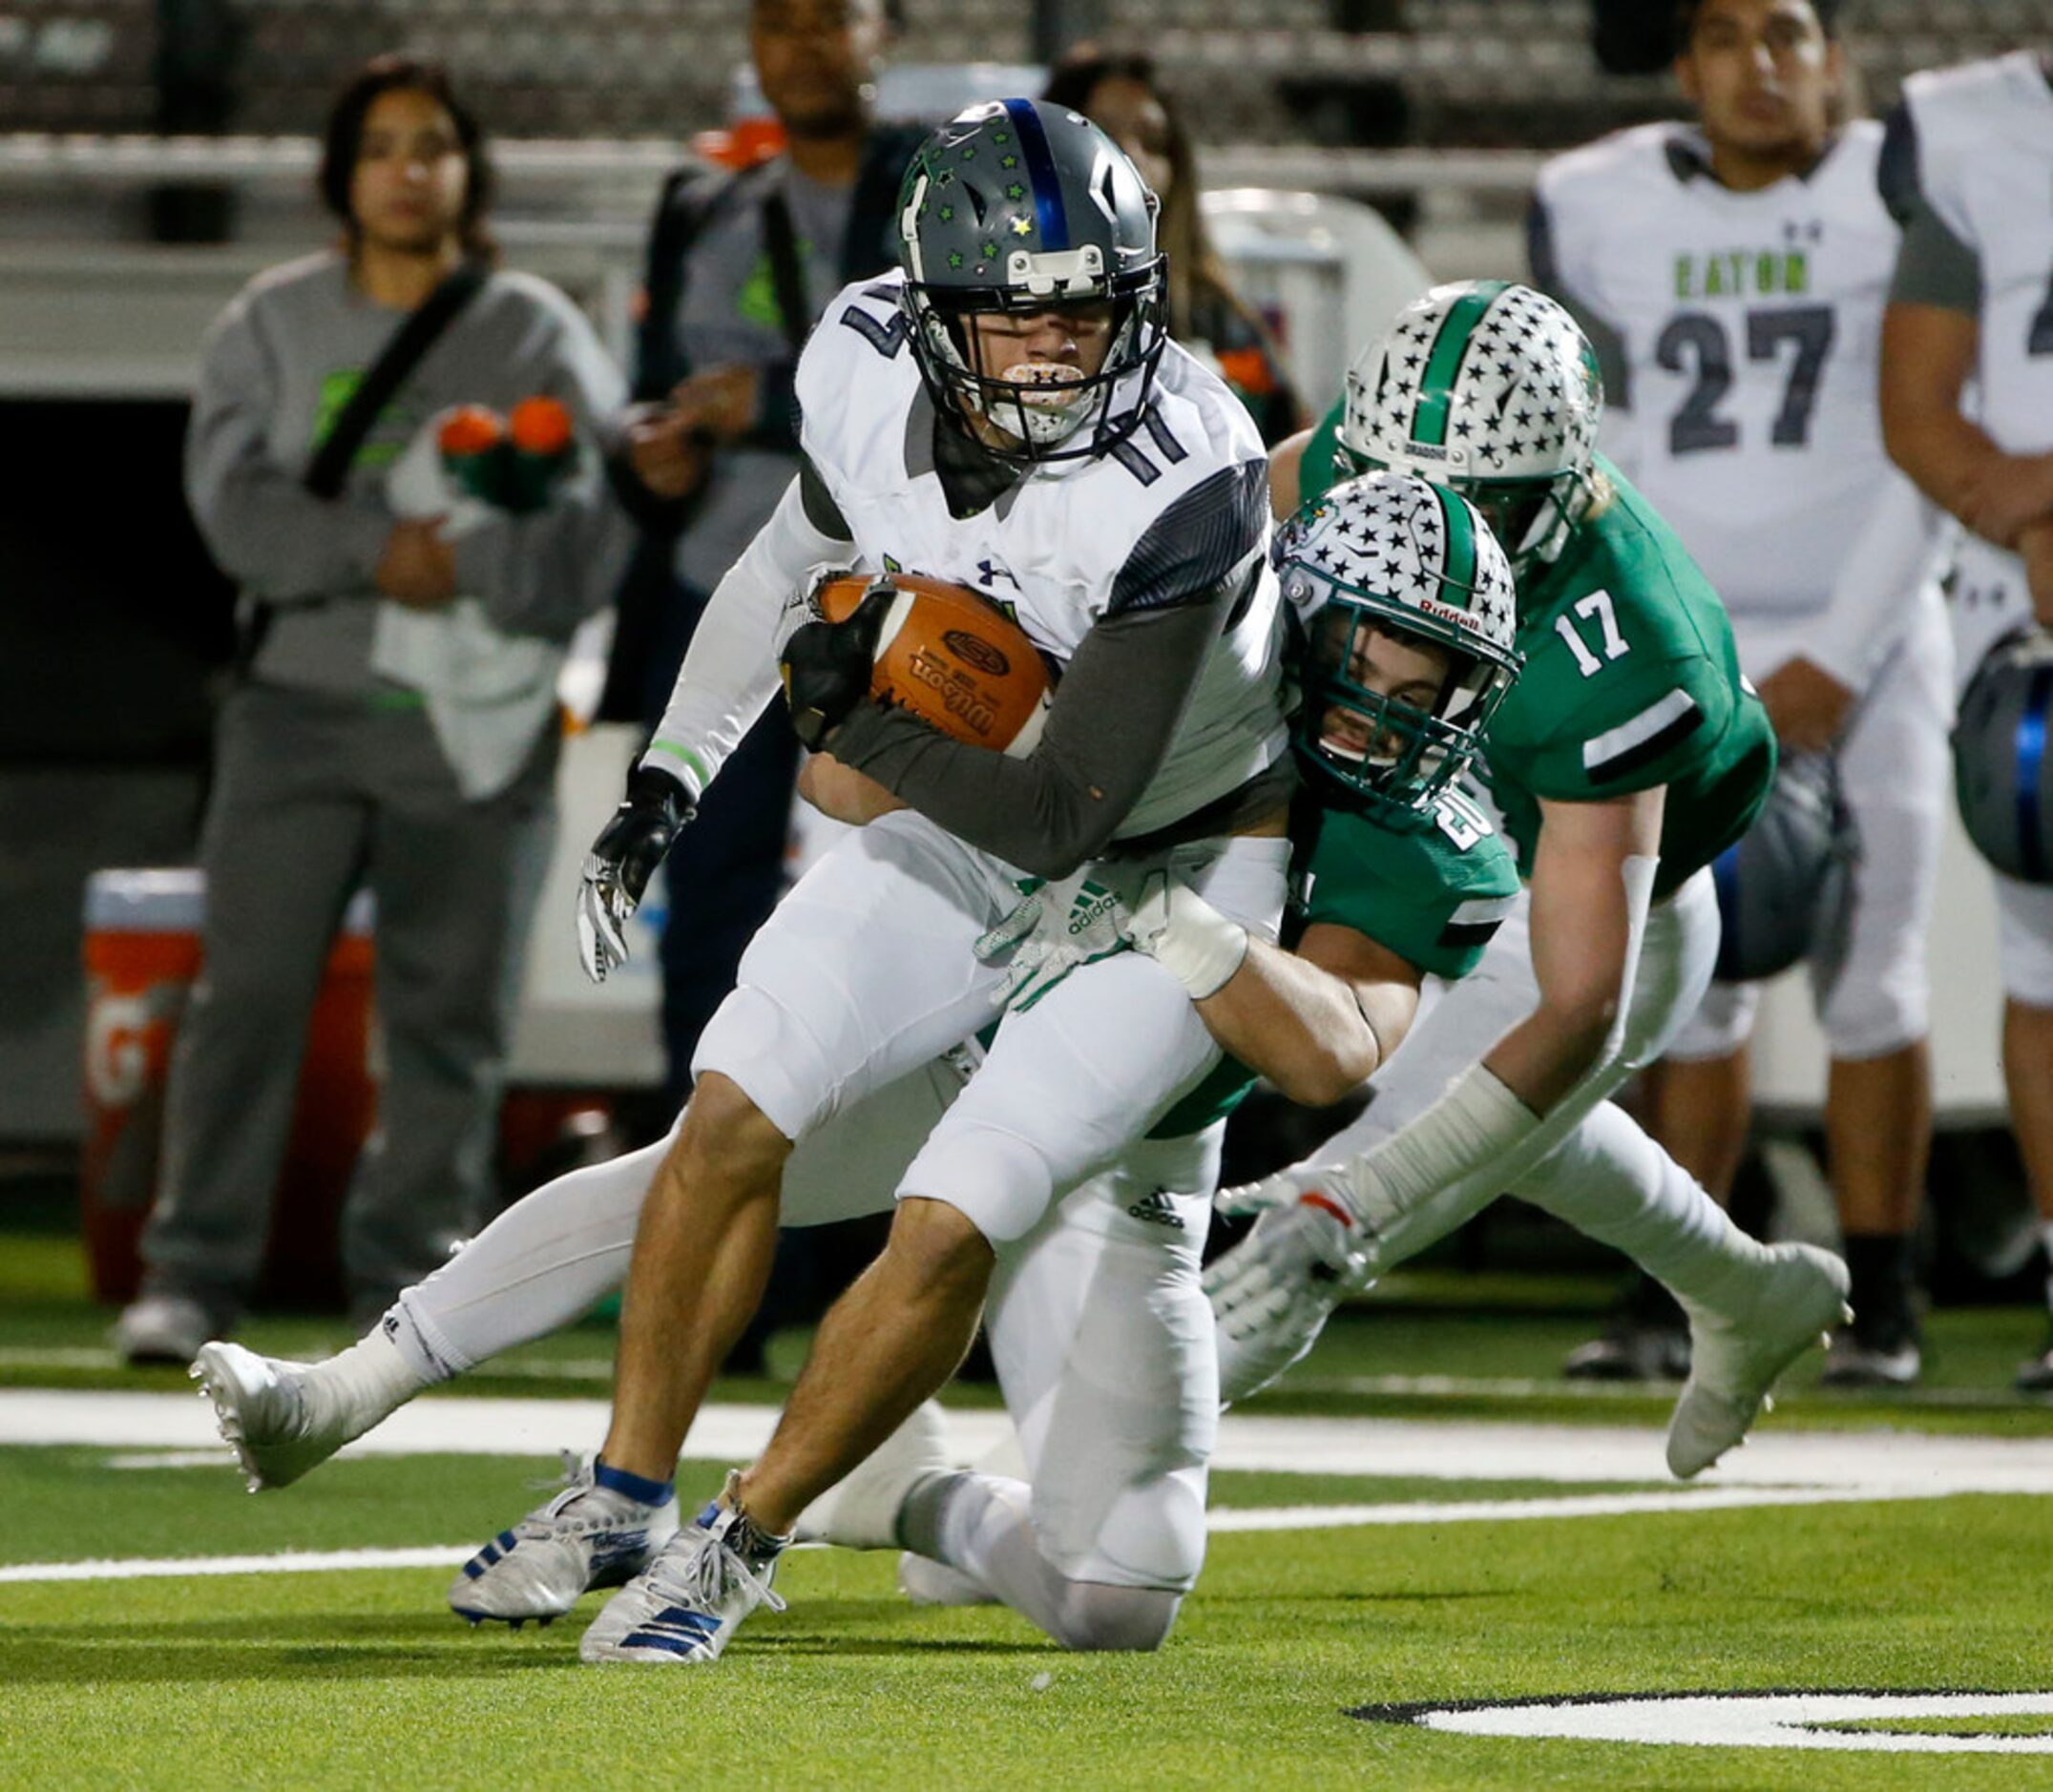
x,y
1918,1724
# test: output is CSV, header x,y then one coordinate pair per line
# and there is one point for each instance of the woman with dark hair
x,y
1124,96
395,725
395,86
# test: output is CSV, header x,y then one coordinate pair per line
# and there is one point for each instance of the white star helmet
x,y
1492,390
1390,556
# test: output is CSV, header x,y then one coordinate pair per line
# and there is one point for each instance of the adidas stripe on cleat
x,y
682,1608
587,1536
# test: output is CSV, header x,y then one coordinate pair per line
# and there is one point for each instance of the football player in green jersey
x,y
1405,602
1629,754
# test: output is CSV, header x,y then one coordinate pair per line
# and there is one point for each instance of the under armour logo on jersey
x,y
988,571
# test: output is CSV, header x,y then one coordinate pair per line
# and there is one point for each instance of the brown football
x,y
951,657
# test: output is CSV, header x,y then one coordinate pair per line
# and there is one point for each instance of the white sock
x,y
548,1259
1609,1179
364,1385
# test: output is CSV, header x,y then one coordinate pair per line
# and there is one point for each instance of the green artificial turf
x,y
362,1679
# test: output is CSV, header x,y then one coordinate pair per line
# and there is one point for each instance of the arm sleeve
x,y
730,670
264,528
1119,705
542,575
1875,594
1108,731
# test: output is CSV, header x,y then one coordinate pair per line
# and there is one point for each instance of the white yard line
x,y
1778,1469
1222,1519
1465,1450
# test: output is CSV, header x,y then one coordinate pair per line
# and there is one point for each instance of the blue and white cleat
x,y
711,1574
586,1536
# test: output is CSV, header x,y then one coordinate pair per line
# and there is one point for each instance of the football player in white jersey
x,y
1967,169
1006,413
1734,271
1097,1319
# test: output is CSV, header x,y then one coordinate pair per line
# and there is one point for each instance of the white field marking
x,y
1567,1506
169,1459
598,1370
286,1562
1540,1388
1886,1464
1221,1518
1765,1720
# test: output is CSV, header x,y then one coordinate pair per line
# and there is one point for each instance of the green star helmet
x,y
1014,207
1490,388
1388,555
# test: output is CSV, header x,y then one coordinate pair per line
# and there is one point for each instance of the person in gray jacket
x,y
396,726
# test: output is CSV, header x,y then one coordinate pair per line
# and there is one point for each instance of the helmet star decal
x,y
1483,382
1387,557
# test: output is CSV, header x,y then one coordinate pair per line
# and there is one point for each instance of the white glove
x,y
1052,929
1271,1292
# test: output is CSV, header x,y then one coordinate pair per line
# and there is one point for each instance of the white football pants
x,y
866,971
1894,773
1101,1331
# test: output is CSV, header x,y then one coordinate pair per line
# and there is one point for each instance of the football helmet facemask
x,y
1390,556
1018,208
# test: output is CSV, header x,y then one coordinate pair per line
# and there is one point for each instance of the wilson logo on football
x,y
950,657
960,698
972,650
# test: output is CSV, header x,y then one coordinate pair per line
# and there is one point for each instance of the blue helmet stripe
x,y
2031,770
1042,175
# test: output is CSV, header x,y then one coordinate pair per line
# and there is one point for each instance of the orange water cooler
x,y
141,956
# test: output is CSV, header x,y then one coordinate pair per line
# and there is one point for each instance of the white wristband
x,y
1186,936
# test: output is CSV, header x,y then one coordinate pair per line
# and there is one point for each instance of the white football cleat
x,y
683,1608
860,1512
586,1536
265,1415
1735,1356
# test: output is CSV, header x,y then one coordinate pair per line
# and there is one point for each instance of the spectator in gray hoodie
x,y
395,726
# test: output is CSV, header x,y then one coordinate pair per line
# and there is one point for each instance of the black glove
x,y
826,667
622,859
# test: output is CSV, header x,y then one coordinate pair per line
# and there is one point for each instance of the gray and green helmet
x,y
1021,207
1492,388
1388,555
